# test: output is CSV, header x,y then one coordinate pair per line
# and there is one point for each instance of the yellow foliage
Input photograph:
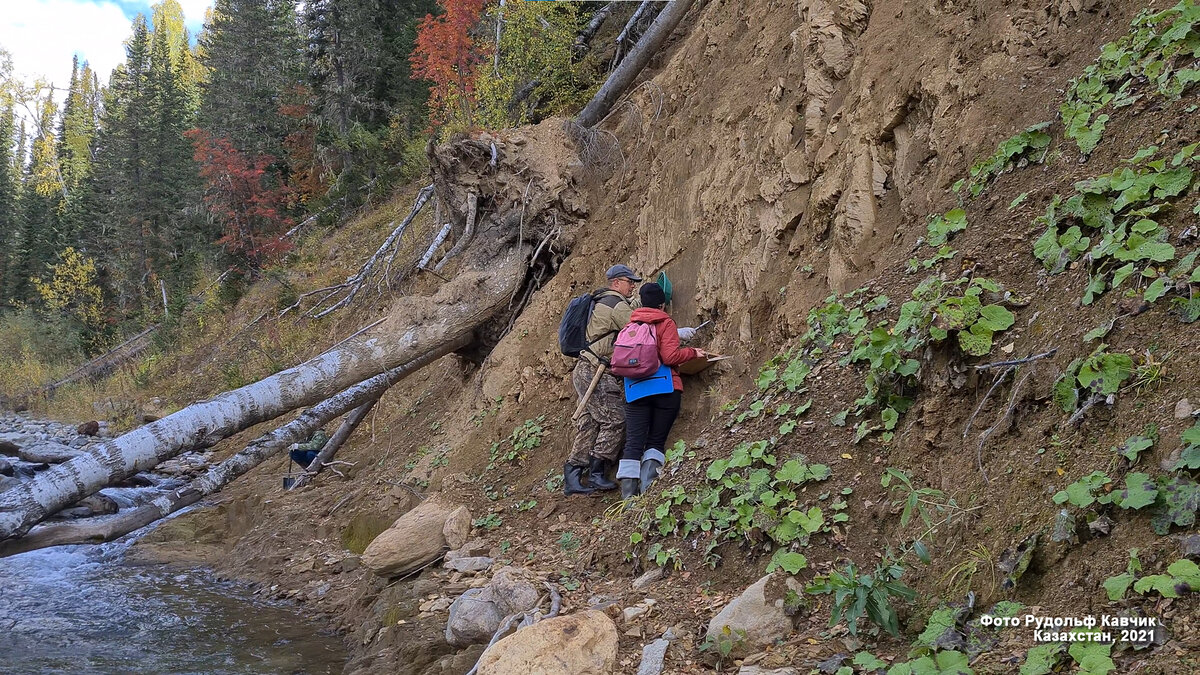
x,y
72,288
535,44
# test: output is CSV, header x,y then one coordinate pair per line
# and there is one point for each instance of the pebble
x,y
653,656
1184,409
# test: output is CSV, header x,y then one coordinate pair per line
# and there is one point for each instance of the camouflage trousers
x,y
600,430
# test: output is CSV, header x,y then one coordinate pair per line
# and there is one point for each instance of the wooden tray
x,y
699,365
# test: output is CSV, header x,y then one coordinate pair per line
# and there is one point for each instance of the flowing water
x,y
78,609
81,610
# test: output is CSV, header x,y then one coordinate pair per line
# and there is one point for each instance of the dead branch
x,y
584,39
1012,404
468,232
624,75
626,32
1017,362
437,242
995,385
350,288
1087,405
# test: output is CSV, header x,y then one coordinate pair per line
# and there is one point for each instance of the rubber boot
x,y
629,476
652,461
573,481
596,478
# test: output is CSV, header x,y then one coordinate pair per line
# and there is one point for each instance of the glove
x,y
687,333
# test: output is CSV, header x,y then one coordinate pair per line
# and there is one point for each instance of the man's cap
x,y
618,271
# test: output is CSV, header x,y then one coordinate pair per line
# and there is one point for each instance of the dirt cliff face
x,y
774,153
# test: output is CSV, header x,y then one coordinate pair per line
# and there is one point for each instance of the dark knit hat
x,y
652,295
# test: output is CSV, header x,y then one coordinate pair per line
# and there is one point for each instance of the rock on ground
x,y
584,643
653,656
476,614
414,540
758,611
457,528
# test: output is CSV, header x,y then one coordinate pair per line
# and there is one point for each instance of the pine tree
x,y
253,55
167,17
38,237
172,181
117,201
76,131
9,171
367,104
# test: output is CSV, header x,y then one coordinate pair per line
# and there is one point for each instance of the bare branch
x,y
1017,362
468,232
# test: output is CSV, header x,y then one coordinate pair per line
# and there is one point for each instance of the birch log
x,y
361,395
418,326
632,65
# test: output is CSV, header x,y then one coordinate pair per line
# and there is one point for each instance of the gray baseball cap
x,y
618,271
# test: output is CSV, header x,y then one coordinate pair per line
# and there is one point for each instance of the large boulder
x,y
476,614
756,617
413,541
584,643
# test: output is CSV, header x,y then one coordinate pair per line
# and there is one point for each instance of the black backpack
x,y
572,330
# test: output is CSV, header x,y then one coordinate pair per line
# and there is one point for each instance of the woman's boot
x,y
652,461
573,481
596,476
629,475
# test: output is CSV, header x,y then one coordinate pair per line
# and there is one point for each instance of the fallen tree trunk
x,y
418,326
256,452
632,65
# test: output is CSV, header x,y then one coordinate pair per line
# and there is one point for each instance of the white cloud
x,y
193,13
42,35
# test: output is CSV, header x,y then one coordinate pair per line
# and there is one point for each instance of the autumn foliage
x,y
250,212
446,55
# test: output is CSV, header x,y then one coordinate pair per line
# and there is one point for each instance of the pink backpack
x,y
635,353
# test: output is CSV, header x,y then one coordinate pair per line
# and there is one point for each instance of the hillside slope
x,y
778,153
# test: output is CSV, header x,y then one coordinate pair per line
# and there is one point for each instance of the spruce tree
x,y
252,52
76,131
38,238
367,102
9,172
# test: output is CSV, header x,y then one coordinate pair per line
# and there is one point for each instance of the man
x,y
600,429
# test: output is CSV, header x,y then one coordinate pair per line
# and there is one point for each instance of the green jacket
x,y
609,316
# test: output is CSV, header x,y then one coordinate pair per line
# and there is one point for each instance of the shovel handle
x,y
588,396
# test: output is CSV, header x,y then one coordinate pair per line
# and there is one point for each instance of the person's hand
x,y
687,333
701,354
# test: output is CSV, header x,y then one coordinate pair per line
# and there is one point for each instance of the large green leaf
x,y
977,341
788,561
1140,491
1117,586
1042,659
995,318
1179,500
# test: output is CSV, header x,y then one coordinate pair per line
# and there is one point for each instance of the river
x,y
79,609
83,610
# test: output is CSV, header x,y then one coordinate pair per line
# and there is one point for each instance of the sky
x,y
42,35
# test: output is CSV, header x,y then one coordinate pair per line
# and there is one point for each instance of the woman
x,y
652,403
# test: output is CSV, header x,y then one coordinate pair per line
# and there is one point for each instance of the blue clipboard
x,y
660,382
